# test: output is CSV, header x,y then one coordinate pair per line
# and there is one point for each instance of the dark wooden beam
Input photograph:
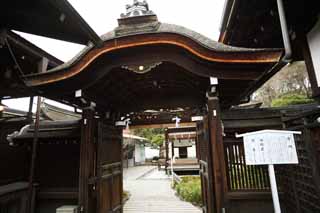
x,y
181,129
162,125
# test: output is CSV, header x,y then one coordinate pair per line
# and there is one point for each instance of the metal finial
x,y
137,9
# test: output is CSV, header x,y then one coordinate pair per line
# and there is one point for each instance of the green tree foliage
x,y
154,135
289,83
157,139
291,99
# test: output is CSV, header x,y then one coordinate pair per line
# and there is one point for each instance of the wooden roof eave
x,y
227,16
78,65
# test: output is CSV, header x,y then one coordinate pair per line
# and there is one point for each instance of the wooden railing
x,y
240,176
176,178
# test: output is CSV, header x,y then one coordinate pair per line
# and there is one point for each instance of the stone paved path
x,y
151,192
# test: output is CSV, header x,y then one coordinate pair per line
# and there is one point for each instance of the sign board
x,y
268,147
314,45
183,143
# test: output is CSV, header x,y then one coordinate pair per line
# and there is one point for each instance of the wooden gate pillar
x,y
167,150
87,162
172,149
217,151
197,147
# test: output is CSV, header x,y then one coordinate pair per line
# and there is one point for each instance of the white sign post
x,y
269,147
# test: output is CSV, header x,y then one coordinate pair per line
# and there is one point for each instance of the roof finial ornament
x,y
137,9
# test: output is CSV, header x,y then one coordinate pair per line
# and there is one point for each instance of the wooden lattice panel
x,y
300,183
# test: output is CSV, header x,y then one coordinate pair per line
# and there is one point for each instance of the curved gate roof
x,y
146,64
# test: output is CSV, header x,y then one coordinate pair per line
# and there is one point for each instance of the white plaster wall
x,y
139,154
192,152
176,152
150,153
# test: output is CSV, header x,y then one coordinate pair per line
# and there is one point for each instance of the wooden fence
x,y
299,185
240,176
248,187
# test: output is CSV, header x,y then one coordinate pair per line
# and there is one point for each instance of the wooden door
x,y
183,152
109,169
205,166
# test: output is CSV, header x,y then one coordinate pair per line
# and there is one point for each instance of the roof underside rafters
x,y
19,57
50,18
256,24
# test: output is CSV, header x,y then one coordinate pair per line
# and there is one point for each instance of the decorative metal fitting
x,y
137,9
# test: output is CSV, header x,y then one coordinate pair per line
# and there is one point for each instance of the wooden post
x,y
86,160
121,175
34,157
42,67
172,149
197,146
30,109
167,150
1,110
217,151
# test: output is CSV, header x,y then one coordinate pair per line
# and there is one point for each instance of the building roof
x,y
9,114
19,57
176,62
67,129
256,24
50,18
157,28
48,130
54,113
48,112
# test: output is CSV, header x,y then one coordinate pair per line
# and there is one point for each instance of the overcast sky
x,y
202,16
